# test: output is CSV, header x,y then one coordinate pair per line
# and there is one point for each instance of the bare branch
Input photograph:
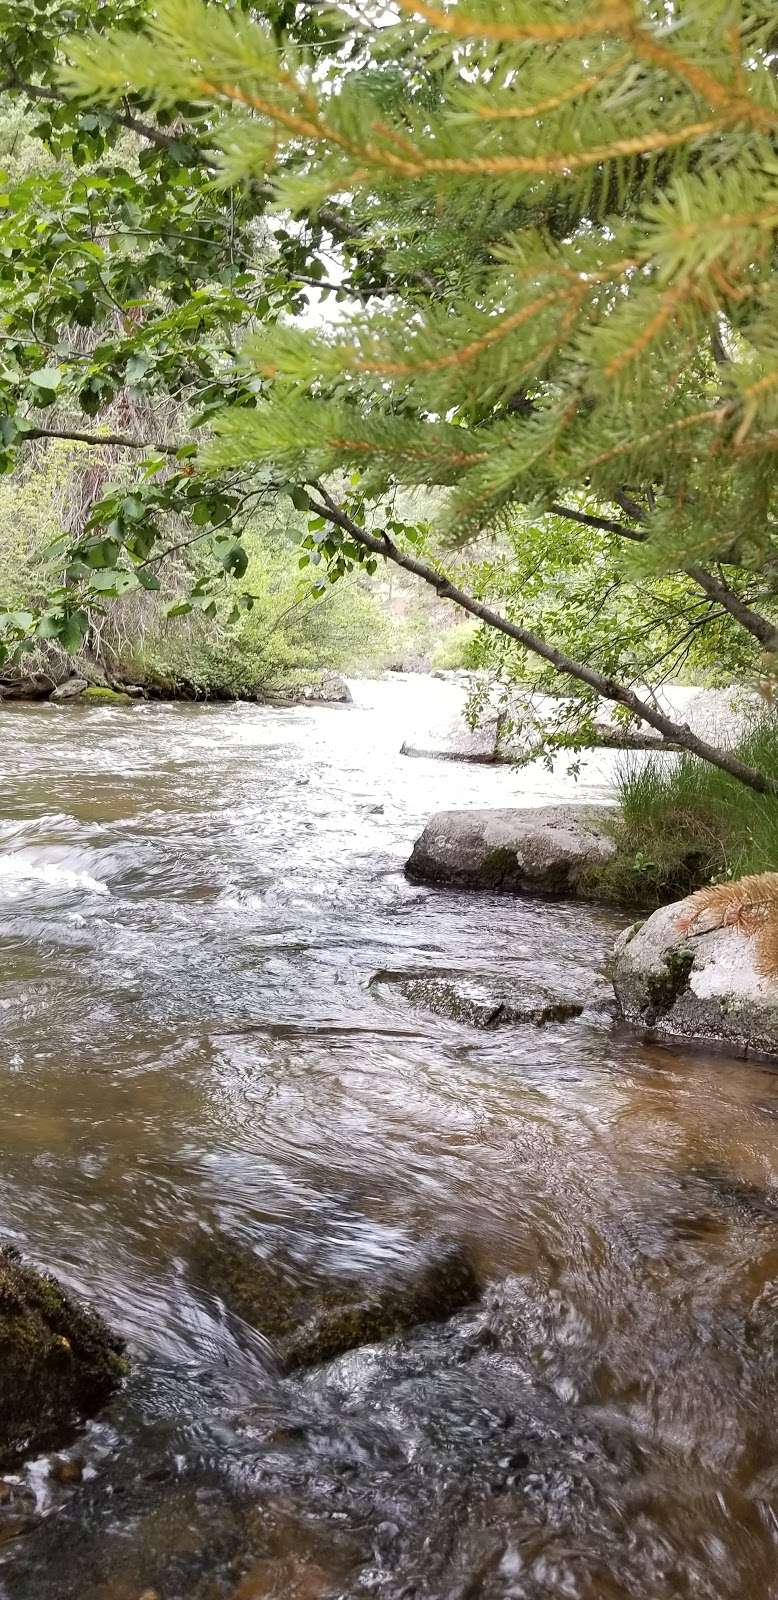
x,y
125,119
714,587
121,441
605,524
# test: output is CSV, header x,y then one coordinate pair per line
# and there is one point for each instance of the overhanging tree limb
x,y
122,441
715,588
675,733
125,119
604,524
756,624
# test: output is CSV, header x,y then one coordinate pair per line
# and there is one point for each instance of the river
x,y
193,901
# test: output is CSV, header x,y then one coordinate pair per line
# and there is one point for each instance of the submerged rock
x,y
315,1321
481,745
58,1360
548,851
483,1002
702,986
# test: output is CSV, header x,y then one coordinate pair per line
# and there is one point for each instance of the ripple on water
x,y
195,901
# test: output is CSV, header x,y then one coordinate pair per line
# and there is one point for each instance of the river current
x,y
193,901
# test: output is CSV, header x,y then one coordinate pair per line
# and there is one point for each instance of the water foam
x,y
15,869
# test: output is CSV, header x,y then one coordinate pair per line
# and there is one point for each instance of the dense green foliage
x,y
609,258
283,641
551,227
570,583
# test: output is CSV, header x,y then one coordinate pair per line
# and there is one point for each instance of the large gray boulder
x,y
71,689
459,742
330,689
703,986
547,851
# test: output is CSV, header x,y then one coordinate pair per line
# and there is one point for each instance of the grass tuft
x,y
684,824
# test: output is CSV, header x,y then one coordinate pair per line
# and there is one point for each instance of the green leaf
x,y
113,581
181,608
49,625
48,378
103,553
235,560
72,631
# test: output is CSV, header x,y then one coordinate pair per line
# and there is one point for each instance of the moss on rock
x,y
58,1360
483,1001
646,872
98,695
316,1321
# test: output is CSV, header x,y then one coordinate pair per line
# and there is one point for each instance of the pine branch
x,y
675,733
749,904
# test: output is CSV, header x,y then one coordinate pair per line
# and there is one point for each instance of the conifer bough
x,y
570,213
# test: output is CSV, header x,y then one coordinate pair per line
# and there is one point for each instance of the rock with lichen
x,y
550,850
484,1001
703,986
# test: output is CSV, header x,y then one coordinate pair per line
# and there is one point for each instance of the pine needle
x,y
767,946
749,904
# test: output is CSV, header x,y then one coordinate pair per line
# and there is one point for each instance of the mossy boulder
x,y
316,1319
77,692
59,1361
97,695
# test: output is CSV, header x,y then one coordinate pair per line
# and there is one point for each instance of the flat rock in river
x,y
316,1320
702,986
58,1360
481,744
546,851
483,1001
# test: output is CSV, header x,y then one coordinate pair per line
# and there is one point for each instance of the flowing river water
x,y
193,901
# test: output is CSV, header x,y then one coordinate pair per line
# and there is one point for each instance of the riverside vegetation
x,y
563,338
682,824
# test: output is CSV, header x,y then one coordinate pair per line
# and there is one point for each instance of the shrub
x,y
456,648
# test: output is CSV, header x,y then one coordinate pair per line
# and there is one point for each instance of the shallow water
x,y
192,904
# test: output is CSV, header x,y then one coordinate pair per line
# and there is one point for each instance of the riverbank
x,y
86,682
